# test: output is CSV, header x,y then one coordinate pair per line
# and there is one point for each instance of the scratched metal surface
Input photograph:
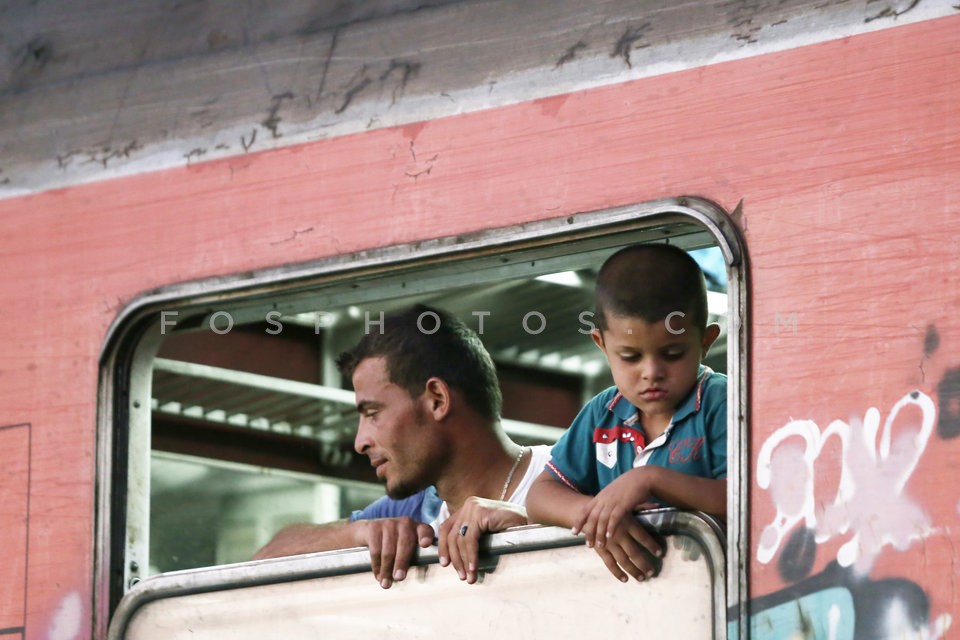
x,y
545,585
97,89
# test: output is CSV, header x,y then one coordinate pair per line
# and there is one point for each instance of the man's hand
x,y
608,524
459,536
392,543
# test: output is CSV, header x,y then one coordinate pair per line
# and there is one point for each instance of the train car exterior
x,y
827,133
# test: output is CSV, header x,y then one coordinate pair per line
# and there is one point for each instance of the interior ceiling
x,y
558,343
532,322
556,340
328,413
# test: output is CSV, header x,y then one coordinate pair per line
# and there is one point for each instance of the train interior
x,y
251,426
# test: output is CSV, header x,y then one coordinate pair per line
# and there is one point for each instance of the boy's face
x,y
654,364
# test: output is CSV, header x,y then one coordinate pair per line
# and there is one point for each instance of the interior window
x,y
250,427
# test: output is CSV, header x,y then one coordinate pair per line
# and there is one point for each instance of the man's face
x,y
654,364
394,431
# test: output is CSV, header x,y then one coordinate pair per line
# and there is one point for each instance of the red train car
x,y
201,205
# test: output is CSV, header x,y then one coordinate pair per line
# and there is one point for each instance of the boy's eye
x,y
674,355
629,357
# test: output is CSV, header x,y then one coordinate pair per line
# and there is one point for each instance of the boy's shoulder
x,y
606,396
713,390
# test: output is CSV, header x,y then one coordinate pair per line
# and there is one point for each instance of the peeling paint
x,y
891,10
421,168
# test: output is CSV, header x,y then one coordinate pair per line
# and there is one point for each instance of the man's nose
x,y
362,442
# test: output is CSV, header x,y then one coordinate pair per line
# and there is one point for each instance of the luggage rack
x,y
253,401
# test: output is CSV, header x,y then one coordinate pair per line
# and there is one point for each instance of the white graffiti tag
x,y
869,502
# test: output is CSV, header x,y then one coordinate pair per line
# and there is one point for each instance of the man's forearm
x,y
295,539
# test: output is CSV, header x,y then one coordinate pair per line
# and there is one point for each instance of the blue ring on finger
x,y
463,531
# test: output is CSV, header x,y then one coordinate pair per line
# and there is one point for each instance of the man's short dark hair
x,y
422,342
651,281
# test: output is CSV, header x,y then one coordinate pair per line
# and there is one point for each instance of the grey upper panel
x,y
93,89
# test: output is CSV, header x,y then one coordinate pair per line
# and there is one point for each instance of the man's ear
x,y
437,397
597,336
710,335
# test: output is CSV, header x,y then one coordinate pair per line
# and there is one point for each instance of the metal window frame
x,y
133,339
701,528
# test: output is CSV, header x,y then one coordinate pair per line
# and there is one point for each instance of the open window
x,y
224,417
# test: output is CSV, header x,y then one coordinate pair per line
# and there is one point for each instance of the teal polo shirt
x,y
606,439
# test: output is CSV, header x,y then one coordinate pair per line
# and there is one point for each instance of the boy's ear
x,y
597,336
436,395
710,335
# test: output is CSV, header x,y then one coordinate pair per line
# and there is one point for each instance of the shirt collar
x,y
629,414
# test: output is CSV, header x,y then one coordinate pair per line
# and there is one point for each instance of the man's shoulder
x,y
419,506
540,453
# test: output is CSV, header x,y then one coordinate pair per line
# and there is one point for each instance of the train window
x,y
228,418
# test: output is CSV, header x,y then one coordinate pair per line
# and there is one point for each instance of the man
x,y
429,404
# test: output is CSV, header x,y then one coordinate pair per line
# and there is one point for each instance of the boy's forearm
x,y
551,503
685,491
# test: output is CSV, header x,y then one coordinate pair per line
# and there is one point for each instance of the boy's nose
x,y
652,369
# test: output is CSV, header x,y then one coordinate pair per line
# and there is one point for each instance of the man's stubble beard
x,y
406,488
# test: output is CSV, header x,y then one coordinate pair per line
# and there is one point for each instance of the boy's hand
x,y
626,552
604,513
608,525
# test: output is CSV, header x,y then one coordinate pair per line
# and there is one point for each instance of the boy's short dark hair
x,y
422,342
651,281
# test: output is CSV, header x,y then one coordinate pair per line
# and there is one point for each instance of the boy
x,y
659,435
